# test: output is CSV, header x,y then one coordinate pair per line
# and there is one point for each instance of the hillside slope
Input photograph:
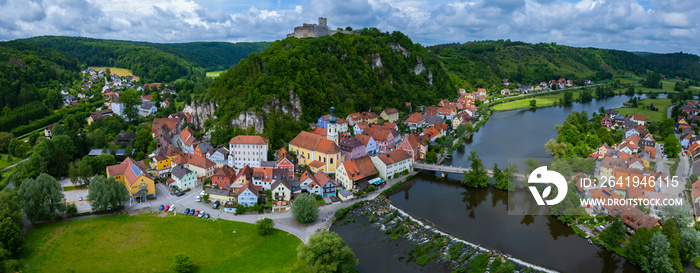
x,y
676,64
369,71
483,63
152,62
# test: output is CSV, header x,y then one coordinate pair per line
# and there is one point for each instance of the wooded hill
x,y
152,62
369,71
485,63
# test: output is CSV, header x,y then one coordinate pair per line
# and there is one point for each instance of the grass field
x,y
214,74
148,243
121,72
654,116
4,163
545,100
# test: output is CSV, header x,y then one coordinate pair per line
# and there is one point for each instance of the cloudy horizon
x,y
631,25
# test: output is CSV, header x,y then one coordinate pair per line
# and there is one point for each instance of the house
x,y
636,163
187,140
316,151
432,120
98,115
371,146
415,121
147,108
183,178
696,191
201,165
162,158
134,177
281,190
359,128
629,174
125,139
329,187
639,119
309,184
342,123
219,156
629,148
382,136
248,195
320,131
265,177
431,133
202,148
68,99
413,147
247,150
390,115
219,195
631,132
223,177
685,140
168,126
505,91
48,131
285,161
608,164
446,113
355,173
350,146
65,92
611,113
392,163
165,103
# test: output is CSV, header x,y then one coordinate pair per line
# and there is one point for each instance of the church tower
x,y
332,127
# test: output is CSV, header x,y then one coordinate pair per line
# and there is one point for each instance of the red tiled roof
x,y
187,136
394,156
243,139
126,168
359,168
415,118
316,164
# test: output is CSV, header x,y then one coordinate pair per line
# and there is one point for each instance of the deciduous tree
x,y
327,252
41,197
105,192
305,209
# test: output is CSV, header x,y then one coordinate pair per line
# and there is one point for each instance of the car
x,y
179,194
192,212
187,211
216,205
161,207
201,214
80,198
196,213
198,199
172,208
201,193
206,216
167,208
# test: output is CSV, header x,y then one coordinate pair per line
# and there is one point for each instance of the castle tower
x,y
323,22
332,127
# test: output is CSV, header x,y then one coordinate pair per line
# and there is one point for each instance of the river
x,y
480,216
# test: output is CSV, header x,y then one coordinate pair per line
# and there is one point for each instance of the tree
x,y
690,244
183,264
532,164
5,139
680,214
430,157
461,129
105,192
53,100
658,251
637,248
476,177
568,97
264,226
143,139
653,80
533,103
11,236
131,100
448,142
615,232
205,197
672,146
33,135
327,252
555,148
42,197
305,209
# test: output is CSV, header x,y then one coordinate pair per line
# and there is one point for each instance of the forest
x,y
369,71
152,62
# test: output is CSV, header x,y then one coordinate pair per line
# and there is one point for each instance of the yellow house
x,y
390,115
162,158
314,150
135,178
281,190
222,196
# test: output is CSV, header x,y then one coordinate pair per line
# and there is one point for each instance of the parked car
x,y
167,208
172,208
201,214
196,213
199,199
216,205
192,212
161,207
206,216
80,198
201,193
187,211
180,194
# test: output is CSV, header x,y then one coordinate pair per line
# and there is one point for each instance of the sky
x,y
634,25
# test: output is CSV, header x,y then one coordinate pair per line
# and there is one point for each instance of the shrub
x,y
423,260
478,263
456,250
264,226
183,264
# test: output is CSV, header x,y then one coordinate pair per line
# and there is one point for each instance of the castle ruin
x,y
316,30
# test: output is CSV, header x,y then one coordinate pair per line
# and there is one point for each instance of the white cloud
x,y
663,26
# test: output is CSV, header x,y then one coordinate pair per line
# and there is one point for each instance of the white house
x,y
391,163
147,108
248,195
247,150
183,178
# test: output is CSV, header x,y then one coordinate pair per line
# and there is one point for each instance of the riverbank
x,y
424,246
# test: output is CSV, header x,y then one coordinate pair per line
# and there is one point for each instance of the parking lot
x,y
73,197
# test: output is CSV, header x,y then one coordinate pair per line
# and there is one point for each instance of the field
x,y
545,100
148,243
654,116
121,72
4,163
214,74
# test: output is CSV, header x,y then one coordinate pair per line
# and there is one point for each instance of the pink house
x,y
351,147
383,137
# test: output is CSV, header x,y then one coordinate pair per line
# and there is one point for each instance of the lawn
x,y
148,243
4,163
545,100
121,72
214,74
654,116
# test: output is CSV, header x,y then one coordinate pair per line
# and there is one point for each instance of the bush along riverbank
x,y
428,246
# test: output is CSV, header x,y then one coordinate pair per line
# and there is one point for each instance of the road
x,y
283,220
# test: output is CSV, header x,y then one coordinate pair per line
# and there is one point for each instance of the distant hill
x,y
676,64
153,62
